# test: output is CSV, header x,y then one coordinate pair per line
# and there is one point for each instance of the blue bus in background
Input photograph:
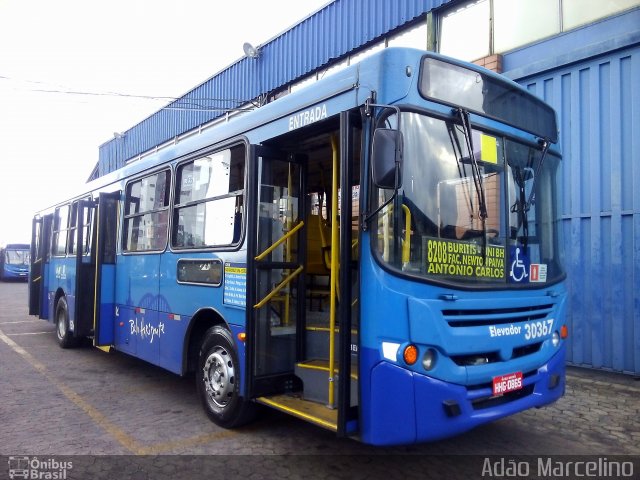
x,y
378,254
14,261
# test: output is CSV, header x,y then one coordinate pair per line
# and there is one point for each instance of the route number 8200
x,y
537,329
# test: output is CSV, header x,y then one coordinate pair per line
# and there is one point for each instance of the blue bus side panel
x,y
137,280
179,302
62,277
136,298
145,327
172,342
124,340
44,293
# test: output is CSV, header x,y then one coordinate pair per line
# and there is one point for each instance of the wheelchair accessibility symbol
x,y
519,266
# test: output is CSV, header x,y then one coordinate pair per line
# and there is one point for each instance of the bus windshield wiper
x,y
544,145
475,168
477,175
523,203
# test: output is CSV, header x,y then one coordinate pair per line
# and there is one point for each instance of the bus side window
x,y
73,228
60,226
209,199
146,213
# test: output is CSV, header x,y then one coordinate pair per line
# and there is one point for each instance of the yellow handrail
x,y
293,275
406,242
280,240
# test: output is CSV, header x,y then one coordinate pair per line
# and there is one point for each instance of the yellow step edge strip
x,y
298,413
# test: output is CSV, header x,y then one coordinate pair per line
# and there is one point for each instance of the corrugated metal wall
x,y
598,104
334,31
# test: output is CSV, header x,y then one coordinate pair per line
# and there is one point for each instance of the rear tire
x,y
218,380
63,333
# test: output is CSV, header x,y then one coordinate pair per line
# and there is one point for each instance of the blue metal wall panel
x,y
334,31
599,117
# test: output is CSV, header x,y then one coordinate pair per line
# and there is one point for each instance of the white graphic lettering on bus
x,y
308,116
504,331
61,272
146,330
531,329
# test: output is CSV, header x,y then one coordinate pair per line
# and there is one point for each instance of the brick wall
x,y
492,62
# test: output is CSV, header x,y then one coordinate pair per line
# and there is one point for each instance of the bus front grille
x,y
484,358
495,316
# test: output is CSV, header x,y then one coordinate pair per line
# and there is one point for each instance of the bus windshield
x,y
17,257
484,215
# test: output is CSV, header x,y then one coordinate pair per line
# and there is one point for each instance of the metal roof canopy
x,y
335,30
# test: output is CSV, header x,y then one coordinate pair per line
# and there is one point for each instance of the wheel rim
x,y
62,326
219,377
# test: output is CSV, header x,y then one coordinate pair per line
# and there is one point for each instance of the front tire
x,y
63,333
218,380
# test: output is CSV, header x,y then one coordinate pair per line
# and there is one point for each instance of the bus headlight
x,y
429,359
555,339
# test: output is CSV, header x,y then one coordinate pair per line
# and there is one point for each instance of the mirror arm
x,y
367,219
368,109
368,106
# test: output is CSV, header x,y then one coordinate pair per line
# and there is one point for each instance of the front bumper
x,y
420,408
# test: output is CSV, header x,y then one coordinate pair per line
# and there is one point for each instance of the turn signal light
x,y
564,332
410,354
242,336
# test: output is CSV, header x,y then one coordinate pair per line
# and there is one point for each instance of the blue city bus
x,y
14,261
377,254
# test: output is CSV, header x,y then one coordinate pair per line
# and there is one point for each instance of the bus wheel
x,y
65,336
218,380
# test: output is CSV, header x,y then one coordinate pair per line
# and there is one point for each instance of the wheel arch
x,y
202,320
59,294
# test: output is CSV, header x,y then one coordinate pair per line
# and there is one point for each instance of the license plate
x,y
507,383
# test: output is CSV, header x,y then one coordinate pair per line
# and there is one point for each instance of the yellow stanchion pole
x,y
334,270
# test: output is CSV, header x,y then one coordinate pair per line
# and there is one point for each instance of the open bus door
x,y
85,269
40,237
95,268
104,285
275,303
301,358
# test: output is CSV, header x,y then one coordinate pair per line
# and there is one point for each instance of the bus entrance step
x,y
315,378
304,409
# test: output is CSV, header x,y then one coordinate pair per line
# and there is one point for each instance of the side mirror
x,y
386,158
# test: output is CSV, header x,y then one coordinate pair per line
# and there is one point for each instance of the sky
x,y
72,73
